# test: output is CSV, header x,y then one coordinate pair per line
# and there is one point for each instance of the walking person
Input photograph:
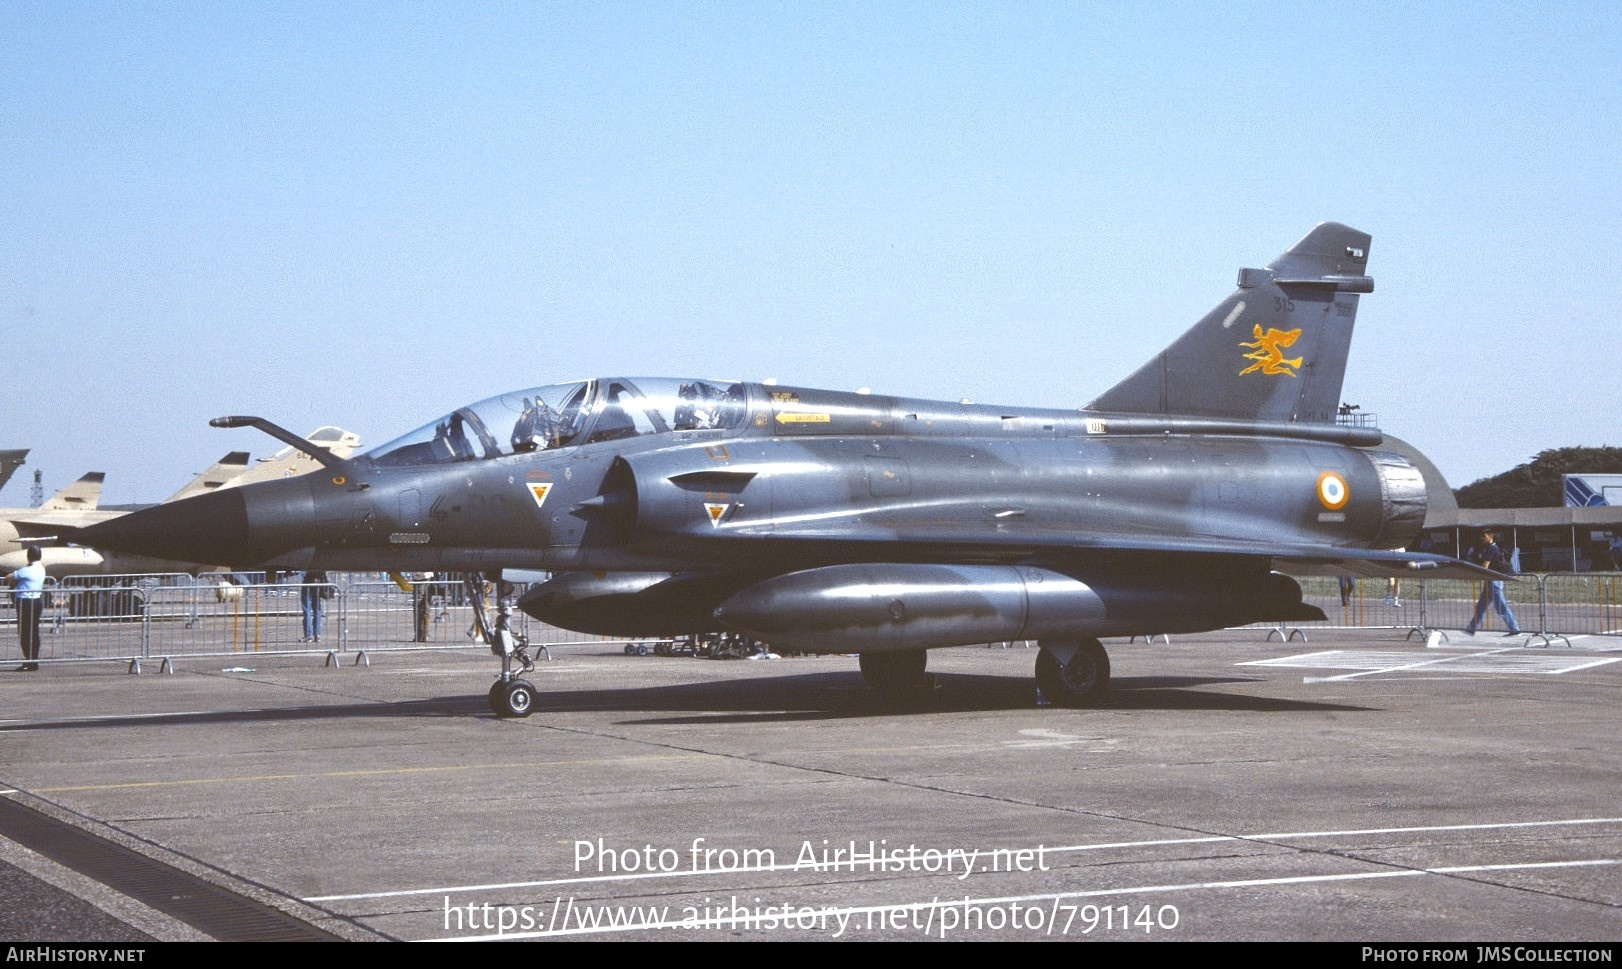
x,y
1489,555
29,585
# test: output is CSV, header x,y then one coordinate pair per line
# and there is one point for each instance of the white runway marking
x,y
57,721
1164,842
1511,660
1053,738
470,673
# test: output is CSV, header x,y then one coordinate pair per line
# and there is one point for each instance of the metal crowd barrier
x,y
158,619
381,615
377,614
1576,603
1547,606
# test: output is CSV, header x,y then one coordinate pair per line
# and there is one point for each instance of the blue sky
x,y
367,214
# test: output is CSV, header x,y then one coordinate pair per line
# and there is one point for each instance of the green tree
x,y
1536,484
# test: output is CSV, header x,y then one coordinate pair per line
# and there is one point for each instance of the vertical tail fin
x,y
223,470
9,462
1275,350
82,495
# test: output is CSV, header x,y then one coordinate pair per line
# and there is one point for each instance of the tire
x,y
1083,682
895,672
498,690
519,700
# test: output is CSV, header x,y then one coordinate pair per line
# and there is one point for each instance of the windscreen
x,y
530,420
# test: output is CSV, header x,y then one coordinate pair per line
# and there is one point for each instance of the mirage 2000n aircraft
x,y
885,526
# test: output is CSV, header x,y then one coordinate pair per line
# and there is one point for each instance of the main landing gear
x,y
1069,672
896,672
1073,673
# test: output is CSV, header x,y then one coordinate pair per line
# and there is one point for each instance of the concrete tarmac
x,y
1360,787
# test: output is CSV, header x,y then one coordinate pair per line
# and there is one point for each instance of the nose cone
x,y
235,527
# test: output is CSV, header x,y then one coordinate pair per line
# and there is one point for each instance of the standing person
x,y
1393,589
1489,555
309,601
29,583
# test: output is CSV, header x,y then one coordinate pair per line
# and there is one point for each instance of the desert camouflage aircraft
x,y
885,526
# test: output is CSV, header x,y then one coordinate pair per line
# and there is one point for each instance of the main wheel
x,y
1082,682
519,700
892,672
498,693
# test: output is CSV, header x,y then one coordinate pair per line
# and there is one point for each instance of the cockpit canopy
x,y
563,415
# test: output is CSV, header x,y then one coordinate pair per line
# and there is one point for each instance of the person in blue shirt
x,y
1489,555
29,585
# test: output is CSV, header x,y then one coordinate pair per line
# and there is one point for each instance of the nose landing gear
x,y
511,696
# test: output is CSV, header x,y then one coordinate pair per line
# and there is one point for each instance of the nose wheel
x,y
513,698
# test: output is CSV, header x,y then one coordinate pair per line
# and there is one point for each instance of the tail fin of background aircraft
x,y
1273,351
9,462
82,495
223,470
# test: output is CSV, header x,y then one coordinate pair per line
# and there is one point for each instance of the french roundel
x,y
1332,491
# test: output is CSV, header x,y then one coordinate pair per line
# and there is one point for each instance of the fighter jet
x,y
884,526
68,509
